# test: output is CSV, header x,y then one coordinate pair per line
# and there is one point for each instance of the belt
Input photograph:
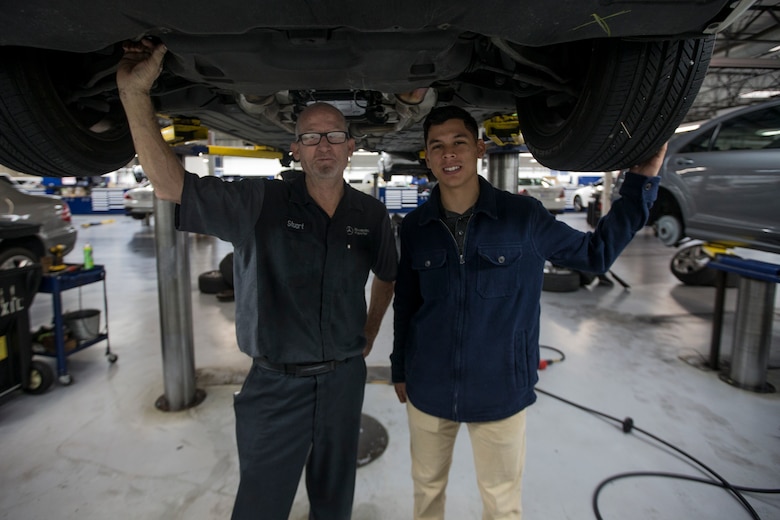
x,y
299,370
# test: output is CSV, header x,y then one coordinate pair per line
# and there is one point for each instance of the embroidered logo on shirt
x,y
360,232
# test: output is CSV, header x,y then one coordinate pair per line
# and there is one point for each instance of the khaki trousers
x,y
499,456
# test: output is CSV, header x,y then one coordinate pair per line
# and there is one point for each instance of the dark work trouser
x,y
284,423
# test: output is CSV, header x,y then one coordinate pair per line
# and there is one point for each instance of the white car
x,y
139,202
582,196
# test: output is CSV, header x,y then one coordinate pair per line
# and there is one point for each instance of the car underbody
x,y
595,85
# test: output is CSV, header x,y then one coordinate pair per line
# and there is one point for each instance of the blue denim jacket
x,y
467,328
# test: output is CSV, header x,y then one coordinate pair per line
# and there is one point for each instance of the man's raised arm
x,y
136,73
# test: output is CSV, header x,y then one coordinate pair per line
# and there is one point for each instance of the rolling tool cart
x,y
83,324
17,367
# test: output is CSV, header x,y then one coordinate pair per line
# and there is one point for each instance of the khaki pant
x,y
499,456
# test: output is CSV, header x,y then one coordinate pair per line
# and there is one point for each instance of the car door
x,y
733,175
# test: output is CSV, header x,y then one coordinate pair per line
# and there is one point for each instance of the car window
x,y
755,131
700,144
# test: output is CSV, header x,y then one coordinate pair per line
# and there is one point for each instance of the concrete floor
x,y
99,448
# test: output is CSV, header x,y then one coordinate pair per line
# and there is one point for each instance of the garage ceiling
x,y
746,59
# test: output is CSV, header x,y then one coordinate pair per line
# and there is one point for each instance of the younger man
x,y
467,307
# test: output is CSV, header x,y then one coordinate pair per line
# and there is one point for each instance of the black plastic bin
x,y
594,211
18,287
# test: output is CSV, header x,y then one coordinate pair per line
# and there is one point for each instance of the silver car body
x,y
51,212
552,196
721,181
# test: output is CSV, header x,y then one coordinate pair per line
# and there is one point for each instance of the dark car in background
x,y
595,85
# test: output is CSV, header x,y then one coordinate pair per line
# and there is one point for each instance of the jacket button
x,y
648,186
427,263
501,259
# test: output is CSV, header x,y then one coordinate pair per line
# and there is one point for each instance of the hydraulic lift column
x,y
175,296
503,164
174,285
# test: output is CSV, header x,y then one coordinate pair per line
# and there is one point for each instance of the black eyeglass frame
x,y
326,135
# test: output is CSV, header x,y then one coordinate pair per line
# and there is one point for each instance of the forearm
x,y
381,296
160,164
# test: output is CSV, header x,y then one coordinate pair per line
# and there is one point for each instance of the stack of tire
x,y
219,281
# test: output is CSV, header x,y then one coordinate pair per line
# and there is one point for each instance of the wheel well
x,y
665,204
32,244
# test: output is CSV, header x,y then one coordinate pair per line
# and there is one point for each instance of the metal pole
x,y
174,292
503,166
606,195
717,319
752,334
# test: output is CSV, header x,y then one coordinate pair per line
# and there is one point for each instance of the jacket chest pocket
x,y
498,273
431,269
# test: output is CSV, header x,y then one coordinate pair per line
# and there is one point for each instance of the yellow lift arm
x,y
184,130
503,130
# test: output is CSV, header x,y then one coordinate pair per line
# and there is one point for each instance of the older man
x,y
303,253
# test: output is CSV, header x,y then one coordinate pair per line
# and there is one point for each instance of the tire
x,y
41,378
212,282
560,280
669,229
226,268
41,132
577,203
14,257
690,266
632,98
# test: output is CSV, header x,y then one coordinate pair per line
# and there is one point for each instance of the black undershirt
x,y
457,223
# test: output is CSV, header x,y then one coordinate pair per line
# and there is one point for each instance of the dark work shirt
x,y
300,275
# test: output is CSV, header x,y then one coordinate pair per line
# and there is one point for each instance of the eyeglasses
x,y
314,138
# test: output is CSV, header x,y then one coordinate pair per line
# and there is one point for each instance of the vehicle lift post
x,y
173,274
502,166
175,298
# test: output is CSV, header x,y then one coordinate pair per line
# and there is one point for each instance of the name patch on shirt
x,y
297,225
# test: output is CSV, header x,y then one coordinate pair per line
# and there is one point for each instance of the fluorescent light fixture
x,y
769,133
760,94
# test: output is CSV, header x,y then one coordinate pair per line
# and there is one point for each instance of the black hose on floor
x,y
628,426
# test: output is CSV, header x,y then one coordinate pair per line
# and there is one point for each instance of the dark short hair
x,y
441,115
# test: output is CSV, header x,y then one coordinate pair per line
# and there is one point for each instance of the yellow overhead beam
x,y
257,152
